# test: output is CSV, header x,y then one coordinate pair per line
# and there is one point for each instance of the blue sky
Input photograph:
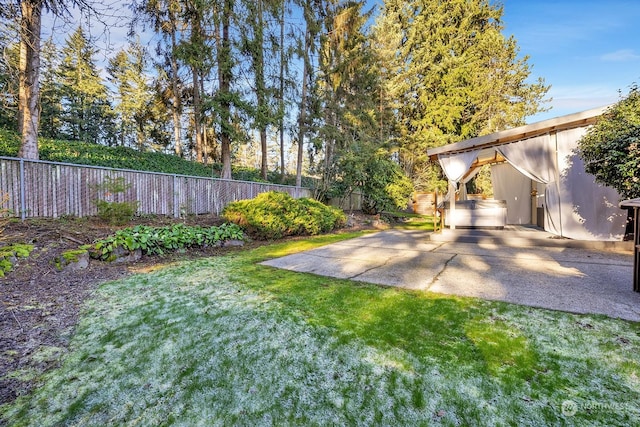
x,y
587,50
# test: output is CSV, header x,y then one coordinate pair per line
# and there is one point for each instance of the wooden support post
x,y
452,205
636,250
635,205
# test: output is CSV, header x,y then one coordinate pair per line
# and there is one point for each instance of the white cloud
x,y
621,55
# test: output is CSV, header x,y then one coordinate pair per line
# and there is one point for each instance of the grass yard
x,y
226,341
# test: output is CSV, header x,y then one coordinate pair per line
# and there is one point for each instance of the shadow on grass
x,y
426,326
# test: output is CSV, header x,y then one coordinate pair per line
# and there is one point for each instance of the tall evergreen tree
x,y
84,95
224,96
254,47
451,74
166,19
306,48
195,51
128,74
348,88
50,92
28,16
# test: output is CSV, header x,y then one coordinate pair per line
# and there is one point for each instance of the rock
x,y
73,260
121,254
80,264
232,242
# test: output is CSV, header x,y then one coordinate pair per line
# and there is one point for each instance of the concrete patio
x,y
521,266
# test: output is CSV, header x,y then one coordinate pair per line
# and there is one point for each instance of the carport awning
x,y
574,204
493,140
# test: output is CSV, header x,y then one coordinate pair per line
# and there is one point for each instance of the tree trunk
x,y
303,109
224,78
176,107
29,73
262,114
281,93
197,113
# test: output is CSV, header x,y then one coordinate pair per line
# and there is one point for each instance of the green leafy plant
x,y
16,250
611,147
274,215
383,184
158,240
117,213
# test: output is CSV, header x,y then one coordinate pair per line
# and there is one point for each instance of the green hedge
x,y
82,153
274,215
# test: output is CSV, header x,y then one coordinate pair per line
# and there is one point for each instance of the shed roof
x,y
631,203
584,118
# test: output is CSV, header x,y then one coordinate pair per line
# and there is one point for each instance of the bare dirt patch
x,y
39,304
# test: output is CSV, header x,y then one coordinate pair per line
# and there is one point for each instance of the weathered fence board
x,y
50,189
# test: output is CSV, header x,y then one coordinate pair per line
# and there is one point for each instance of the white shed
x,y
536,169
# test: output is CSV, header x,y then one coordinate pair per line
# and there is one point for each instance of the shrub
x,y
274,215
117,213
611,147
158,240
385,186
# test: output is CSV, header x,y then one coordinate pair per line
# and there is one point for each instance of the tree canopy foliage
x,y
217,82
450,74
611,147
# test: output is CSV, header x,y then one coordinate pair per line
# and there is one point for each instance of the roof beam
x,y
520,133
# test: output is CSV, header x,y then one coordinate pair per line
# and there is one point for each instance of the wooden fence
x,y
49,189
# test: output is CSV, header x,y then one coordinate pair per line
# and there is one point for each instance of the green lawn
x,y
226,341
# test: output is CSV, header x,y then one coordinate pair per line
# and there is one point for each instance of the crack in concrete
x,y
394,257
437,247
369,269
437,276
389,259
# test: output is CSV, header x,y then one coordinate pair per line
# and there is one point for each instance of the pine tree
x,y
165,17
305,49
50,92
254,46
27,14
128,74
224,97
84,95
9,61
451,74
348,89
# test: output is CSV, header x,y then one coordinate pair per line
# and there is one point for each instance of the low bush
x,y
158,240
274,215
117,213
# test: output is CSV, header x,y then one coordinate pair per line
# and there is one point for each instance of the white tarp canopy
x,y
543,156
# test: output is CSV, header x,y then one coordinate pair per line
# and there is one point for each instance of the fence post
x,y
23,207
176,208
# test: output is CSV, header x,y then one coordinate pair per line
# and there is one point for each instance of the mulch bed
x,y
39,305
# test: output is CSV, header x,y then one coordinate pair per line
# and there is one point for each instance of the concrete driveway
x,y
576,280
